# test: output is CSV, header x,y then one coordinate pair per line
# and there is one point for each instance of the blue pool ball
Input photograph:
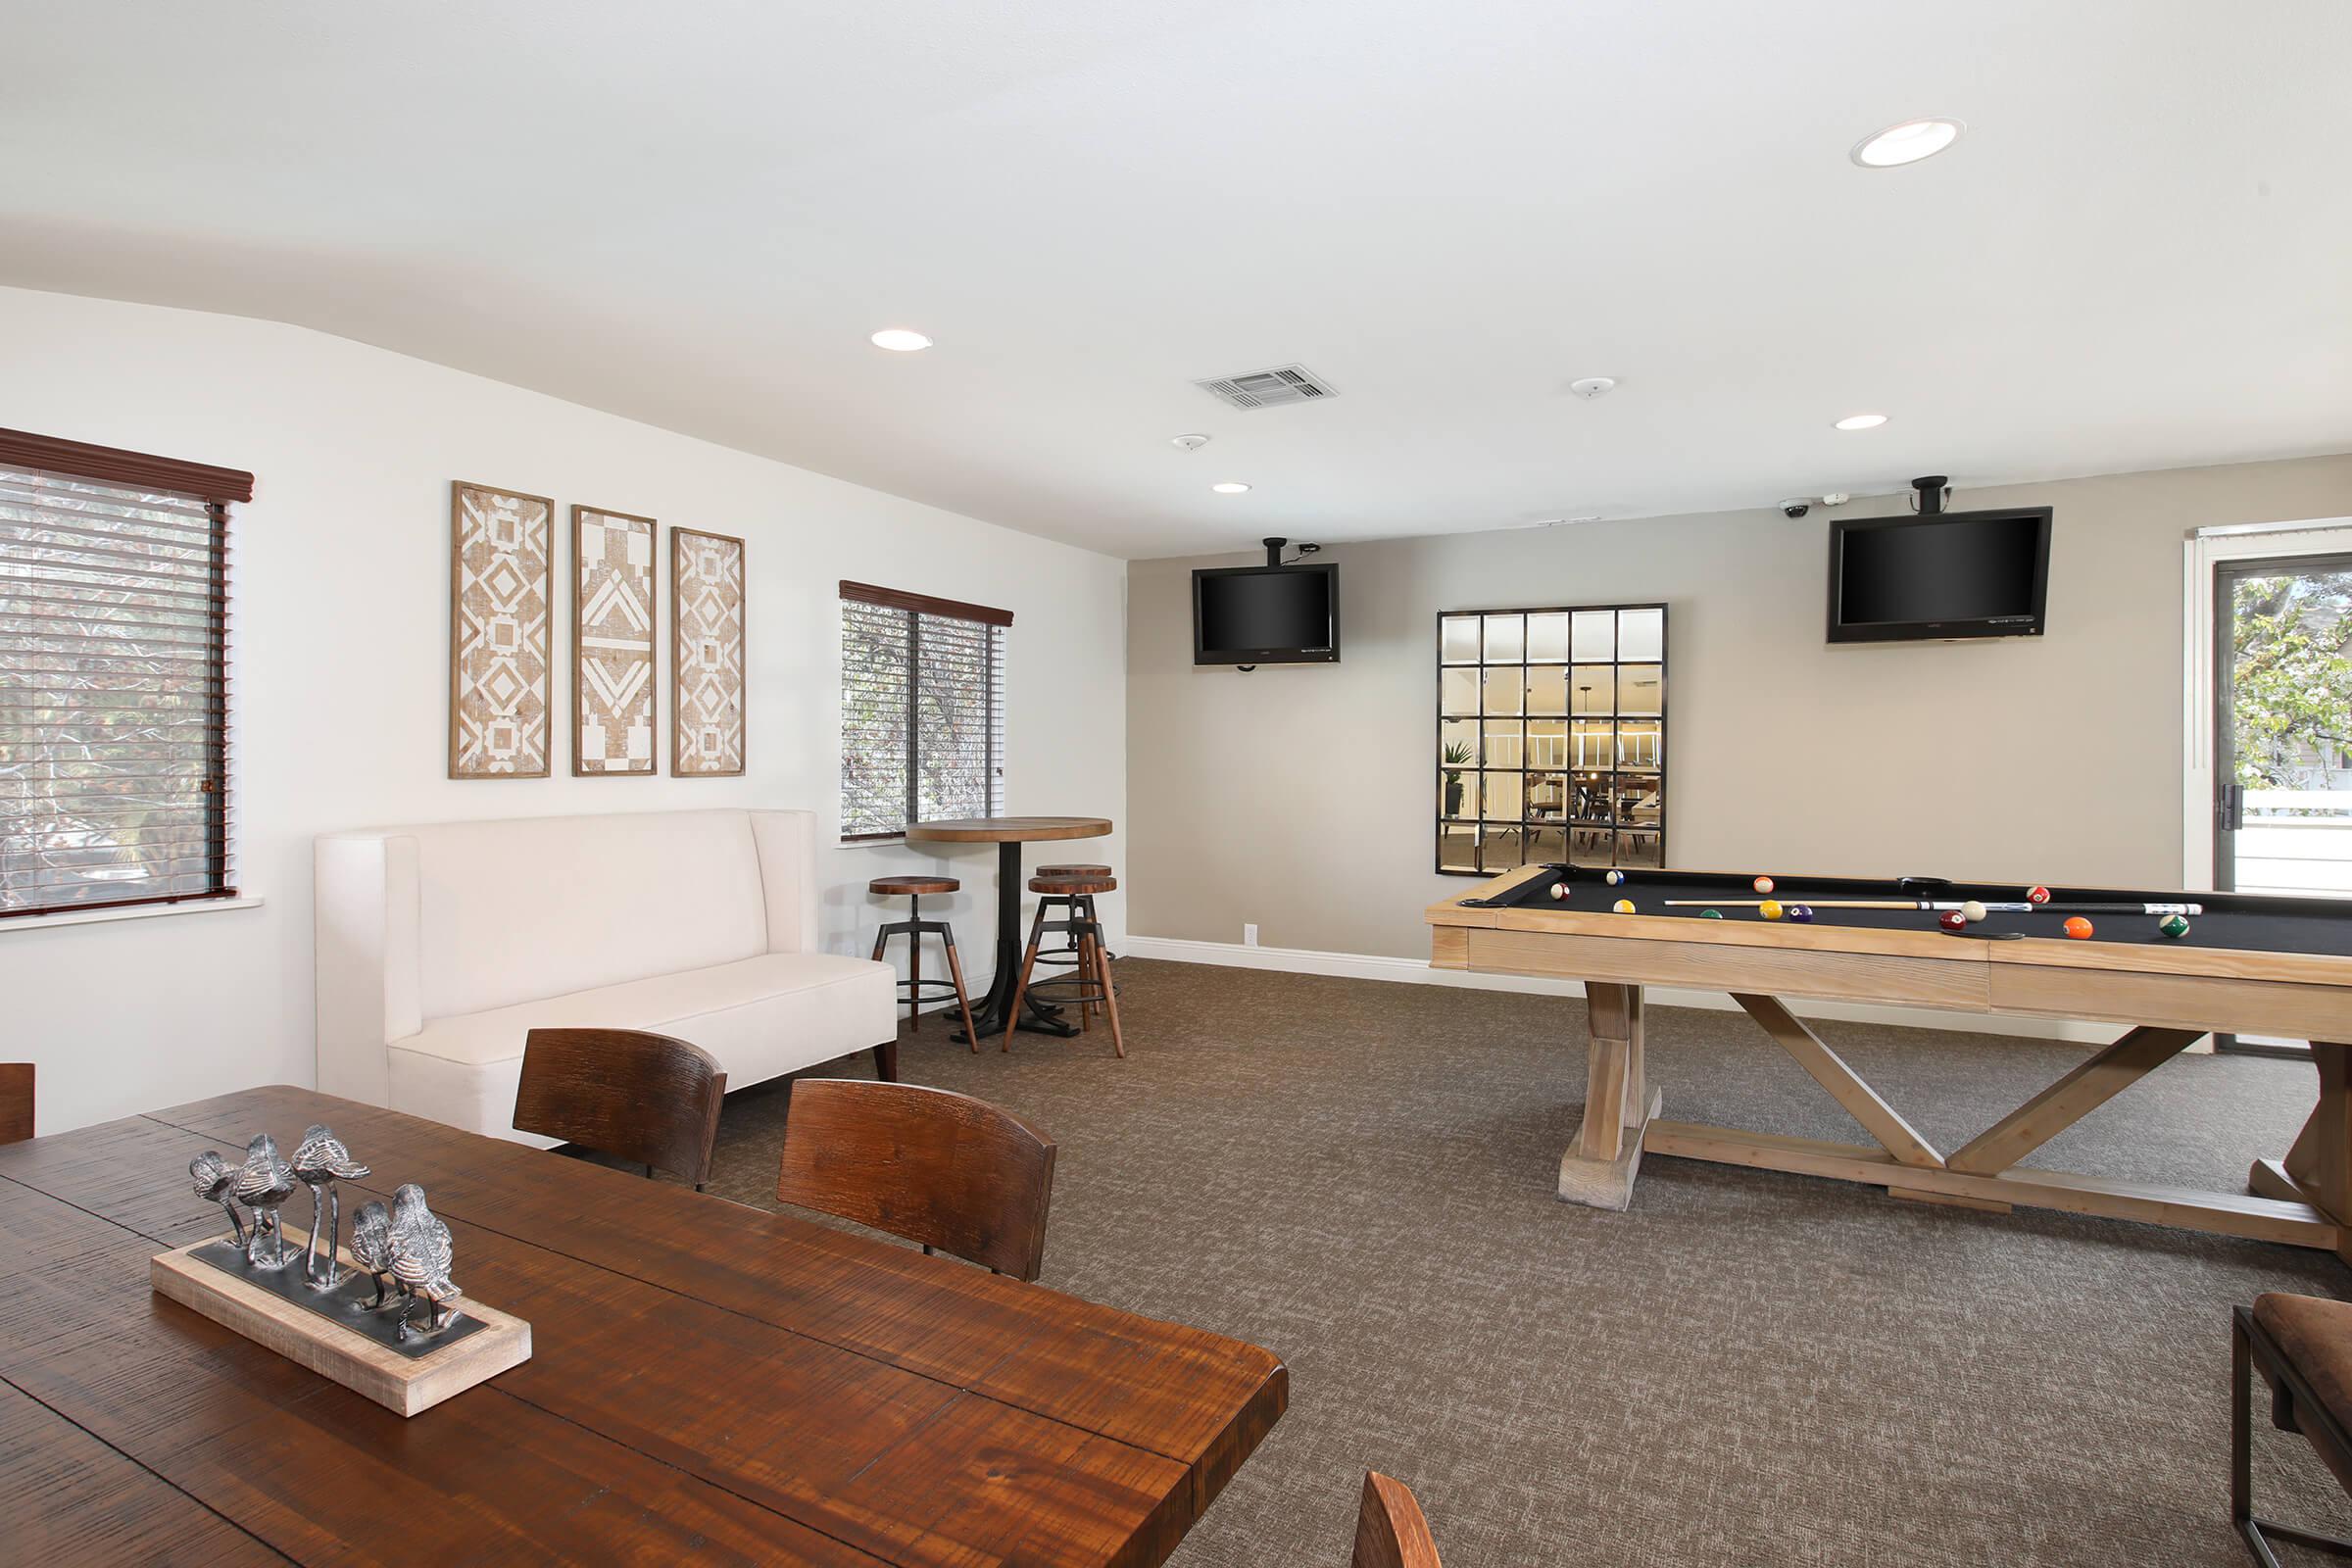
x,y
1614,878
1801,913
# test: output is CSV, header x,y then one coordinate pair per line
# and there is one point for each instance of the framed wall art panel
x,y
612,704
707,664
501,588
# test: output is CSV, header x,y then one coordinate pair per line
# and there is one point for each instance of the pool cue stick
x,y
2011,907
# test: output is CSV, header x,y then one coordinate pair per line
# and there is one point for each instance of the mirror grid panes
x,y
1552,738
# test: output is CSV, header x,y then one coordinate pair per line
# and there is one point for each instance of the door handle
x,y
2234,807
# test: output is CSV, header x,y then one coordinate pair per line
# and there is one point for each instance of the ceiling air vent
x,y
1264,389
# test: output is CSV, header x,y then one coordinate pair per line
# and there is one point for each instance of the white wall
x,y
340,616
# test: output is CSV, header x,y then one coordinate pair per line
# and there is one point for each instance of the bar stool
x,y
1068,957
914,928
1090,986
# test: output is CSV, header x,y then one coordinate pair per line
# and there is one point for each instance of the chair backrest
x,y
16,1101
1390,1531
644,1097
952,1172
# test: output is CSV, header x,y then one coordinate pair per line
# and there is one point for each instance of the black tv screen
x,y
1266,615
1950,574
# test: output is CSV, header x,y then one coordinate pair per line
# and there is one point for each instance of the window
x,y
114,684
922,709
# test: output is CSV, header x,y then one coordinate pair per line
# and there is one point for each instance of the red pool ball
x,y
1559,890
1952,920
2078,928
2038,895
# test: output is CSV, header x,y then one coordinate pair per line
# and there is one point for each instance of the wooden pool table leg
x,y
2317,1169
1598,1168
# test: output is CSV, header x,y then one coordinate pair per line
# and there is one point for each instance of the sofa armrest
x,y
368,989
786,842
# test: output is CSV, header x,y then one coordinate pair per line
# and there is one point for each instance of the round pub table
x,y
1009,834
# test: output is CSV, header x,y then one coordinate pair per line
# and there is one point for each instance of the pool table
x,y
2248,964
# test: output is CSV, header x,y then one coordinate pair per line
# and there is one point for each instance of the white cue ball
x,y
1972,911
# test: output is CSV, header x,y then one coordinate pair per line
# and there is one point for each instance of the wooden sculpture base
x,y
402,1380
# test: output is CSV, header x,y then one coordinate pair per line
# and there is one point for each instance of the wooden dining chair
x,y
953,1173
644,1097
1390,1531
16,1101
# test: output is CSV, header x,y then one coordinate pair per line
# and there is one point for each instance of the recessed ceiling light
x,y
900,339
1861,421
1230,487
1906,143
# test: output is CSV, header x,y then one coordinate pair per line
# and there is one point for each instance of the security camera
x,y
1796,507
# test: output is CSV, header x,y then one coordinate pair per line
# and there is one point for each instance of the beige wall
x,y
1301,799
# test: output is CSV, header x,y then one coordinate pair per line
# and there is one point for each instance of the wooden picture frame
x,y
502,588
616,714
706,667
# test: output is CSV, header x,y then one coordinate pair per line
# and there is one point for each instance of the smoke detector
x,y
1265,389
1188,442
1593,386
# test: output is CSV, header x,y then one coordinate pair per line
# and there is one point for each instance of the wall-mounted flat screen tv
x,y
1944,575
1266,615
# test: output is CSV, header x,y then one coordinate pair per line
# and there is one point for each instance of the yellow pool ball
x,y
1770,909
1623,907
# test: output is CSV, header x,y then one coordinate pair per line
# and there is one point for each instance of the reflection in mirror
x,y
1595,636
1507,639
1595,744
1501,849
1546,743
1547,639
1457,849
1457,796
1548,689
1638,744
1502,797
1457,692
1595,688
1502,743
1638,848
1457,640
1589,799
1457,742
1547,797
1640,689
1547,846
1641,635
1639,802
1591,845
1506,689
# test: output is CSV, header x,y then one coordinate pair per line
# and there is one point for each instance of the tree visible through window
x,y
114,684
922,709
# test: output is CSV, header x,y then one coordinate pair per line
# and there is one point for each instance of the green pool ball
x,y
1710,914
2173,925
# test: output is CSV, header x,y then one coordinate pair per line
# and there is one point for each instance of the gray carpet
x,y
1748,1369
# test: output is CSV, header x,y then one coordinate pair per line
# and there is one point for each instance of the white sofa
x,y
441,946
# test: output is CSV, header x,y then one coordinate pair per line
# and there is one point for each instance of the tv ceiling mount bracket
x,y
1930,493
1274,552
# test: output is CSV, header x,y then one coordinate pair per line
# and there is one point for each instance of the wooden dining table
x,y
708,1382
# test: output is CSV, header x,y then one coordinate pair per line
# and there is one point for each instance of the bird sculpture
x,y
264,1184
216,1183
422,1255
320,1162
372,1248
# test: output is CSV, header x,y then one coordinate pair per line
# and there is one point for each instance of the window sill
x,y
134,911
877,841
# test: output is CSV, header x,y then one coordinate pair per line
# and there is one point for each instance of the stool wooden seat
x,y
1073,870
2302,1345
1090,986
914,928
913,885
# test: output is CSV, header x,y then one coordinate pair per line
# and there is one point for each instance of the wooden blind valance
x,y
136,471
865,593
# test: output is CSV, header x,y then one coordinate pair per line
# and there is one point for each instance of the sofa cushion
x,y
545,906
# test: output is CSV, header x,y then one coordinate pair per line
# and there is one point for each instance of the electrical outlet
x,y
1249,936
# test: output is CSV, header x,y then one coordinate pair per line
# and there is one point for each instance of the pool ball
x,y
1614,878
1710,914
1770,909
2078,928
1623,907
2038,895
2173,925
1972,911
1559,890
1952,920
1762,884
1801,913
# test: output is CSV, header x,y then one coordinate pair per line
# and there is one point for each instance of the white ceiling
x,y
2140,256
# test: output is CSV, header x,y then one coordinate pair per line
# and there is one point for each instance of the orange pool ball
x,y
2076,928
1762,884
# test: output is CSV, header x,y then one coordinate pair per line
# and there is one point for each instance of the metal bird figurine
x,y
371,1250
264,1184
422,1255
216,1183
320,1162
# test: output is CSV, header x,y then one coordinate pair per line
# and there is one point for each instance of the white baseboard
x,y
1416,972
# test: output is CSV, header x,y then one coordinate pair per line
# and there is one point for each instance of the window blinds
x,y
114,686
922,710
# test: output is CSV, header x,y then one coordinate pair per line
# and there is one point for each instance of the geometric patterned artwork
x,y
613,646
705,672
500,586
